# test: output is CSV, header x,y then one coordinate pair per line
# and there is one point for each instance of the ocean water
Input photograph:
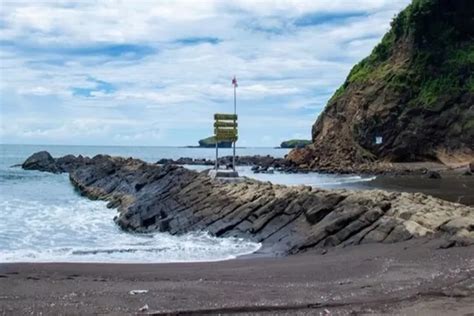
x,y
45,220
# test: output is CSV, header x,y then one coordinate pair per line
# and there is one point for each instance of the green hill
x,y
412,99
295,143
211,142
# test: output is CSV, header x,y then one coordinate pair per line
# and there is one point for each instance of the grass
x,y
442,64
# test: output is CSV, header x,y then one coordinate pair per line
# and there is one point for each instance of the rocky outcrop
x,y
169,198
295,143
411,100
211,142
41,161
260,164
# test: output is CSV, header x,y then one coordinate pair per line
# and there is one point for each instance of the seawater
x,y
45,220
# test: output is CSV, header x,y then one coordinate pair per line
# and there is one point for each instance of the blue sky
x,y
154,72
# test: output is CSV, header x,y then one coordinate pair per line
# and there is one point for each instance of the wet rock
x,y
41,161
165,161
289,219
433,175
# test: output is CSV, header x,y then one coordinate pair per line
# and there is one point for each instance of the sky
x,y
153,73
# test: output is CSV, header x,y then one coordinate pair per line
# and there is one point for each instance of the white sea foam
x,y
311,178
44,220
83,231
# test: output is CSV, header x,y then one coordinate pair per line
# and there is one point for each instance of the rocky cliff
x,y
168,198
412,99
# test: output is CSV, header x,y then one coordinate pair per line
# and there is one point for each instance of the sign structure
x,y
225,129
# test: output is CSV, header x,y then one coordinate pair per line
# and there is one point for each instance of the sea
x,y
45,220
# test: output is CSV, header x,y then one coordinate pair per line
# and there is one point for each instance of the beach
x,y
412,278
419,276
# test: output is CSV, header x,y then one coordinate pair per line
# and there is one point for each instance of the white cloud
x,y
166,66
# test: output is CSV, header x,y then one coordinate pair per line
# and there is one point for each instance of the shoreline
x,y
380,280
398,274
284,219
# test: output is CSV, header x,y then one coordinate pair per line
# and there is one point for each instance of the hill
x,y
411,100
295,143
211,142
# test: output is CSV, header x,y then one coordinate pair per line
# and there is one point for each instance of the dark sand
x,y
453,186
410,278
414,278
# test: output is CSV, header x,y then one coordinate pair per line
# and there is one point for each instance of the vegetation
x,y
442,64
295,143
211,142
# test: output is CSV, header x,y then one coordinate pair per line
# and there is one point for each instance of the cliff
x,y
411,100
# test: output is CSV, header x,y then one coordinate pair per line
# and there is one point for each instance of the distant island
x,y
295,143
211,142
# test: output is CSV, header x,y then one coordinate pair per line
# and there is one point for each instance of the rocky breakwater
x,y
260,164
286,220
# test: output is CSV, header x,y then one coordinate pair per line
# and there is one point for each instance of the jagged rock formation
x,y
285,219
412,99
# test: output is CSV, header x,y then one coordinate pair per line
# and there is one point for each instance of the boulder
x,y
433,175
41,161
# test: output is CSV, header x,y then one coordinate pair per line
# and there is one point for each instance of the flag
x,y
234,82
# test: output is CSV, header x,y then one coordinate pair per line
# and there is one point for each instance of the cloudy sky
x,y
154,72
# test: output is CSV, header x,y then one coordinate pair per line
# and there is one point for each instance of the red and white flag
x,y
234,82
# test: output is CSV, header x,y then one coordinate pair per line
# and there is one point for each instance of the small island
x,y
295,143
211,142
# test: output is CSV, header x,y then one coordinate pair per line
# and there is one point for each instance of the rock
x,y
165,161
295,143
210,142
68,162
135,292
287,219
433,175
467,173
41,161
144,308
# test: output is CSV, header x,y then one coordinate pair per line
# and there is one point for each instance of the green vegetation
x,y
439,56
295,143
211,142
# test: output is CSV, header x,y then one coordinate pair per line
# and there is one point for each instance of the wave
x,y
74,229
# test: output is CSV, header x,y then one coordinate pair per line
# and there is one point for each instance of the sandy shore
x,y
453,185
414,277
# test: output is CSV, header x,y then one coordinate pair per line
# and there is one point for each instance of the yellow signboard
x,y
225,117
225,124
227,138
225,127
225,132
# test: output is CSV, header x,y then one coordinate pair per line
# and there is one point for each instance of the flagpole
x,y
235,113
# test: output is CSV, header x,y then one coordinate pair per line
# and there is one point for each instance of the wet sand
x,y
409,278
414,278
453,185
